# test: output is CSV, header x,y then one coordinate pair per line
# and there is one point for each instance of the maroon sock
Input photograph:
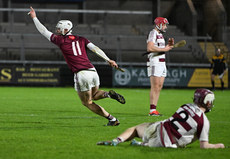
x,y
153,106
119,139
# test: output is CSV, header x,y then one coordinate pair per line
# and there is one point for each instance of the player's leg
x,y
157,75
213,75
156,86
114,95
127,135
221,75
213,81
86,99
136,131
100,94
112,120
87,84
222,83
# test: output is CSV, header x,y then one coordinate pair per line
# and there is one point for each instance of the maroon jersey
x,y
74,51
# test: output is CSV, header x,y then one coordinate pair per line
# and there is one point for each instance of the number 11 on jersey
x,y
78,50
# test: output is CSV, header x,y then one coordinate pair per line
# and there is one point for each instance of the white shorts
x,y
158,71
152,135
85,80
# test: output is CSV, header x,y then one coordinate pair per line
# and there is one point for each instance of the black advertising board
x,y
23,75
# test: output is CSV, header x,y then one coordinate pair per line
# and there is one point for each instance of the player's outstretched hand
x,y
32,13
113,63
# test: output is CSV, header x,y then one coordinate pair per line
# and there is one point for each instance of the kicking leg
x,y
112,94
86,99
100,94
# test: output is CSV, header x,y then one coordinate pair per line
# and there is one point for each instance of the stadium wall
x,y
134,76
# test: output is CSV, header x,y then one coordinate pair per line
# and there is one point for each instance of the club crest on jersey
x,y
72,37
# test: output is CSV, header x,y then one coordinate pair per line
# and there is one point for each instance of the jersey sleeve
x,y
205,130
56,39
151,37
86,41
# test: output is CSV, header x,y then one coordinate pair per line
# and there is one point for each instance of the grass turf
x,y
42,123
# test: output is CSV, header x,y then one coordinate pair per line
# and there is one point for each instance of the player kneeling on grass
x,y
188,124
86,79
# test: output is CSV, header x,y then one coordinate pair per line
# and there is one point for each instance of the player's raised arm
x,y
41,28
101,54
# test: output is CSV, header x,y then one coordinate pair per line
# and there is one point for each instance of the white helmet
x,y
65,24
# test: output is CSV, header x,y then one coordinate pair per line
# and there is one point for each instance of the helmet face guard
x,y
160,21
204,98
64,24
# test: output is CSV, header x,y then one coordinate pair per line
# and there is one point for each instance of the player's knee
x,y
158,87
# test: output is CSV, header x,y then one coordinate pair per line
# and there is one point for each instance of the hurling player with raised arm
x,y
86,78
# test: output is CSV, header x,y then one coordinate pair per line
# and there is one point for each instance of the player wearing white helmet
x,y
86,78
156,66
64,27
188,124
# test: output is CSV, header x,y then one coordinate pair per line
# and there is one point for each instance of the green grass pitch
x,y
51,123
